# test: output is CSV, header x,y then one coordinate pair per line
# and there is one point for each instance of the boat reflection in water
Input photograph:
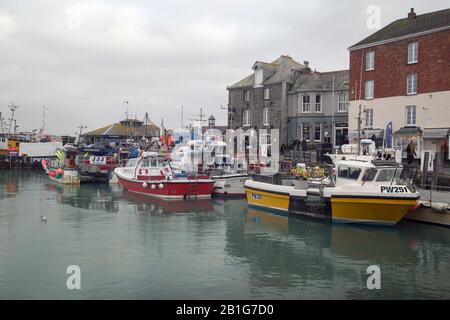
x,y
151,205
100,197
297,252
11,182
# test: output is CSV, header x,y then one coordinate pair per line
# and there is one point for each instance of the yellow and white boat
x,y
361,190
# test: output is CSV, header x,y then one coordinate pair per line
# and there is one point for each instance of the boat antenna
x,y
359,129
182,111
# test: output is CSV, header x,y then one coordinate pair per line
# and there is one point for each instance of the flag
x,y
388,136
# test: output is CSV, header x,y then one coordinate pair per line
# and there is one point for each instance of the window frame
x,y
266,94
412,53
410,115
318,104
266,116
413,83
370,58
318,125
342,102
302,128
372,91
308,104
367,123
246,116
246,95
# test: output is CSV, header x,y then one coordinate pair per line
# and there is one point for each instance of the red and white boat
x,y
151,175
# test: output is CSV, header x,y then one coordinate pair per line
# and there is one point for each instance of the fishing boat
x,y
152,175
228,182
63,169
359,190
96,164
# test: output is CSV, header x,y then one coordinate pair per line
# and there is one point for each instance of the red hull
x,y
171,189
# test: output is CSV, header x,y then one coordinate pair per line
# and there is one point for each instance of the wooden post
x,y
426,158
436,163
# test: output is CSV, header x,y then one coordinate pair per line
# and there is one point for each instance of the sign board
x,y
97,160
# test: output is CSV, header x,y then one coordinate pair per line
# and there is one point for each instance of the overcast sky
x,y
83,59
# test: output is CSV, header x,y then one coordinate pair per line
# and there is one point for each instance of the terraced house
x,y
401,73
260,100
317,107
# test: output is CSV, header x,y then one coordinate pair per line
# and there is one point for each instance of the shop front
x,y
405,135
436,140
340,134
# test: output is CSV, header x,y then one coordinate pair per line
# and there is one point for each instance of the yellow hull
x,y
386,211
269,200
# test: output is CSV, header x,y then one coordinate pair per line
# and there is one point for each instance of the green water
x,y
132,247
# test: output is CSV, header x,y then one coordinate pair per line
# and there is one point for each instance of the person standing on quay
x,y
411,151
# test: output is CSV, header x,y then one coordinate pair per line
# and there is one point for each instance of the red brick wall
x,y
391,68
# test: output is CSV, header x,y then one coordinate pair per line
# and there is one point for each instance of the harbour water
x,y
133,247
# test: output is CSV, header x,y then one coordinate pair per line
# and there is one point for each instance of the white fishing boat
x,y
211,158
63,169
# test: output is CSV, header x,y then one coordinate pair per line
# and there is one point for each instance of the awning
x,y
435,133
408,131
366,133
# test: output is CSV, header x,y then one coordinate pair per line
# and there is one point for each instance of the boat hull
x,y
169,189
350,209
267,199
69,177
370,210
229,185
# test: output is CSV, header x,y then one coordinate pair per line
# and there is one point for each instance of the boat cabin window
x,y
385,174
349,172
369,175
131,163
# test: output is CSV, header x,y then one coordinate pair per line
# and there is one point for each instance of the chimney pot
x,y
411,14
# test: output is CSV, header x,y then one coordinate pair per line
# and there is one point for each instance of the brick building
x,y
259,100
401,73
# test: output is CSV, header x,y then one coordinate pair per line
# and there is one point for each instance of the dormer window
x,y
258,75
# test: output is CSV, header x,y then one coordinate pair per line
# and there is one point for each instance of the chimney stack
x,y
411,14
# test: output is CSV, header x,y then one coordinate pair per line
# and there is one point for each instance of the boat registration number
x,y
256,196
389,189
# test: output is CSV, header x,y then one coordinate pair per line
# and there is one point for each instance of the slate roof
x,y
117,129
274,72
408,26
321,81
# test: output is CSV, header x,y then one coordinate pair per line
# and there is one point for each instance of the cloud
x,y
82,59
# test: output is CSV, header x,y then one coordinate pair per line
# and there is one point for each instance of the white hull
x,y
229,184
70,177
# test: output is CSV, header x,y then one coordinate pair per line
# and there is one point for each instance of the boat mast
x,y
2,124
81,127
42,128
13,109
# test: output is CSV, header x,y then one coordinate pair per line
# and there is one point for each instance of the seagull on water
x,y
44,218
